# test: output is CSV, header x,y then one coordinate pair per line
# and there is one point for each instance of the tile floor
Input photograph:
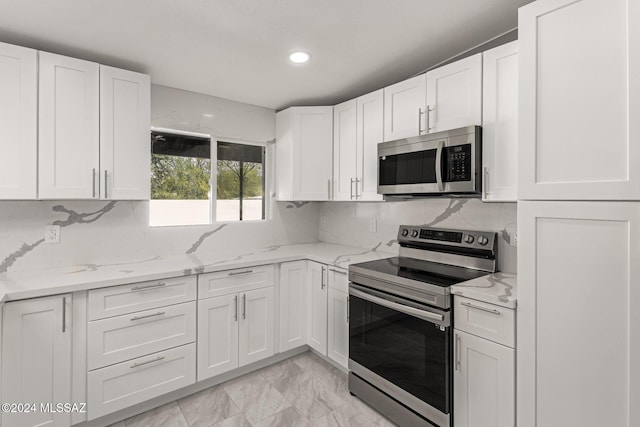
x,y
301,391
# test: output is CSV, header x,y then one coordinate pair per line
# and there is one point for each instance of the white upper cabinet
x,y
369,133
125,151
454,95
304,142
357,131
344,150
68,128
500,123
404,107
18,122
579,100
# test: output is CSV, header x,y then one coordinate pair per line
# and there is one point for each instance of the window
x,y
185,171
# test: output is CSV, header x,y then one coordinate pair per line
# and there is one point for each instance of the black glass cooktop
x,y
423,271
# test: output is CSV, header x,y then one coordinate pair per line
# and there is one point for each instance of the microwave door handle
x,y
439,165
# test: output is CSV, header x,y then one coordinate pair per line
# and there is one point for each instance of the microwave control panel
x,y
458,163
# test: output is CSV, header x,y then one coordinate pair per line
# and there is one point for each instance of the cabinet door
x,y
125,148
500,123
483,383
293,305
369,133
304,151
404,105
36,359
18,122
578,314
338,330
344,150
317,281
454,95
68,133
217,335
579,100
256,326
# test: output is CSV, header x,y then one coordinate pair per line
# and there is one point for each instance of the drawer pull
x,y
160,313
235,273
489,310
157,359
338,271
155,285
457,364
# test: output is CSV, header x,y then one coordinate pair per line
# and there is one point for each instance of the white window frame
x,y
213,185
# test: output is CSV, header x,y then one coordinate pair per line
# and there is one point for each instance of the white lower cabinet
x,y
125,384
484,364
293,305
484,382
234,329
317,306
37,359
338,328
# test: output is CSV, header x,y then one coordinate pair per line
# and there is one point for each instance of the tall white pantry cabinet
x,y
578,327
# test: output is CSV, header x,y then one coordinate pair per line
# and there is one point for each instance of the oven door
x,y
403,348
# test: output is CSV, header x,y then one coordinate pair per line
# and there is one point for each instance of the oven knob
x,y
483,240
404,232
468,238
414,233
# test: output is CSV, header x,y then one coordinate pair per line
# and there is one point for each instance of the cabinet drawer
x,y
133,297
120,338
232,281
485,320
125,384
339,279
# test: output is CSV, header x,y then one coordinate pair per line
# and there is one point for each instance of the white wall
x,y
94,233
348,223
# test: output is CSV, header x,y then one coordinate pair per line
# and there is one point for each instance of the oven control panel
x,y
446,237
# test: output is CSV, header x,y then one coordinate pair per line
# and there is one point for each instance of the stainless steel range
x,y
400,322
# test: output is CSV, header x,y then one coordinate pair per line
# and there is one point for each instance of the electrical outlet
x,y
373,225
513,238
52,234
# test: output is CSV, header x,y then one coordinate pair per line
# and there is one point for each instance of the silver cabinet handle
x,y
338,271
329,189
420,112
488,310
351,190
64,315
157,359
105,184
348,314
235,303
485,182
244,306
160,313
93,183
357,194
457,352
235,273
428,114
322,278
143,287
439,165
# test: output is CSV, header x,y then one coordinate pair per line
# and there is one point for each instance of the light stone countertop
x,y
497,288
37,283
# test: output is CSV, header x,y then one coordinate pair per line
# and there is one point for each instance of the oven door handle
x,y
411,311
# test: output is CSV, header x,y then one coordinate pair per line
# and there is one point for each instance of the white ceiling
x,y
237,49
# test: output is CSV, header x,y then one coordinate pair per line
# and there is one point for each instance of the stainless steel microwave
x,y
447,162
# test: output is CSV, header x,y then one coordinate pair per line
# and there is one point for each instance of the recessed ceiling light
x,y
299,57
208,115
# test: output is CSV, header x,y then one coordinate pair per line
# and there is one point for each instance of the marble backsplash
x,y
93,233
347,223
